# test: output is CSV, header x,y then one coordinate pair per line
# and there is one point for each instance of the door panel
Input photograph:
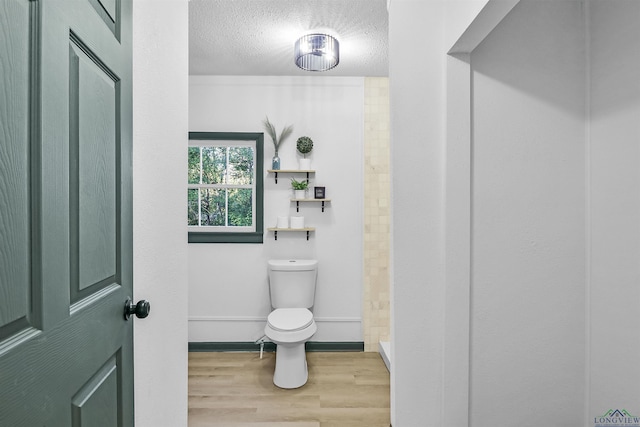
x,y
65,223
42,375
109,6
96,403
15,275
93,181
109,12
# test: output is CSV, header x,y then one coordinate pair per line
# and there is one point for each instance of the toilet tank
x,y
292,282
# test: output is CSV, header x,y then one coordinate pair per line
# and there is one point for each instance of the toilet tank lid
x,y
293,264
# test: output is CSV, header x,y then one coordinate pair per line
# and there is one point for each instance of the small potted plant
x,y
299,188
304,146
271,130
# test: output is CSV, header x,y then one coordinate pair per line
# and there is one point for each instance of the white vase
x,y
304,164
283,222
300,194
297,222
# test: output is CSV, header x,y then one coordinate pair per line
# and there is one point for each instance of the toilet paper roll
x,y
297,222
283,222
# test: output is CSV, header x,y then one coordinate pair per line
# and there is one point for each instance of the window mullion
x,y
200,191
221,186
200,165
226,165
226,191
199,209
226,207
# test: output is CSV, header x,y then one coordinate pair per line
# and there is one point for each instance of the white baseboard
x,y
264,319
250,328
385,351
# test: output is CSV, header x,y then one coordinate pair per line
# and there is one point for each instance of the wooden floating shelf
x,y
276,171
309,200
276,229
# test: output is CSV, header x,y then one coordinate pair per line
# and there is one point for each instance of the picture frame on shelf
x,y
319,192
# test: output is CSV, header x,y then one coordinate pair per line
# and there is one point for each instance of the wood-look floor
x,y
347,389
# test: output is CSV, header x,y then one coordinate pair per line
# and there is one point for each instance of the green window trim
x,y
256,236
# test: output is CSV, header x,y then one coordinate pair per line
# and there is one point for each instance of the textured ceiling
x,y
256,37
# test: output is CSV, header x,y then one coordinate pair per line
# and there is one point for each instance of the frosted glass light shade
x,y
317,52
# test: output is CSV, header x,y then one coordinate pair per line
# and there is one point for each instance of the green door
x,y
65,213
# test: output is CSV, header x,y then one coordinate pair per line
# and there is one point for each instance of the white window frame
x,y
225,228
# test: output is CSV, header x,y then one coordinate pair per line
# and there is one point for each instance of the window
x,y
224,187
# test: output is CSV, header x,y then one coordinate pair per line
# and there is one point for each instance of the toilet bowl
x,y
289,329
292,286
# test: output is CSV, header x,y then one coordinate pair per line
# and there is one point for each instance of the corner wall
x,y
417,100
160,119
594,319
528,199
377,213
614,208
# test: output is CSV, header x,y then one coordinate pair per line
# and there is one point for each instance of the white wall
x,y
528,219
160,45
420,34
614,184
228,288
417,96
555,180
160,74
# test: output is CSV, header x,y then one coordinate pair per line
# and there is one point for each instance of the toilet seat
x,y
289,319
290,326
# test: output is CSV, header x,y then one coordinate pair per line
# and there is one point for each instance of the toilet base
x,y
291,366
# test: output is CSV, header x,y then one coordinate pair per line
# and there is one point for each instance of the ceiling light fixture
x,y
317,52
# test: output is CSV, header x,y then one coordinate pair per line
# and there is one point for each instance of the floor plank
x,y
345,389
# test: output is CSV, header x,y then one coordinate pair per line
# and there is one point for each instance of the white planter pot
x,y
283,222
300,194
304,164
297,222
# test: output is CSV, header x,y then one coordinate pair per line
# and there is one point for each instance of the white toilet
x,y
292,286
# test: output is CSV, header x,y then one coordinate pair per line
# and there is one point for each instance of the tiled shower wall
x,y
377,202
